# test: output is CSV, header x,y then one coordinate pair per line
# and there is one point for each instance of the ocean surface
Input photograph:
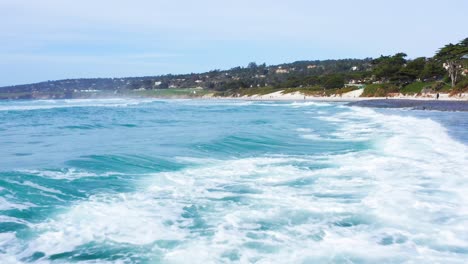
x,y
187,181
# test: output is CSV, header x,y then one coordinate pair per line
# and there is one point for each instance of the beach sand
x,y
346,97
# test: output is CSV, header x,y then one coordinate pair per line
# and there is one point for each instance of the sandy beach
x,y
346,97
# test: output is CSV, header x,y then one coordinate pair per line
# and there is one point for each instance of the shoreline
x,y
353,96
437,105
427,102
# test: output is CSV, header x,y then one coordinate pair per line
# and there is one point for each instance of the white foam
x,y
51,104
403,200
304,129
40,187
6,238
9,219
9,248
313,137
67,174
134,219
306,104
333,119
7,204
212,102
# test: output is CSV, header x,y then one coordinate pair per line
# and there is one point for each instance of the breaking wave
x,y
396,192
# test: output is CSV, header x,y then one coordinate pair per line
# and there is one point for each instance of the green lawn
x,y
13,95
182,92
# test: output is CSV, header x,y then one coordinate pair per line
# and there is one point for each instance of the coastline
x,y
436,105
352,96
426,102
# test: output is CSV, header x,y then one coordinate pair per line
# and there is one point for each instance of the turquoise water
x,y
182,181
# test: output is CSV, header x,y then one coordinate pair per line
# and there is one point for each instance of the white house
x,y
280,70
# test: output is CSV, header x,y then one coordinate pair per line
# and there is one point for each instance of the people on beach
x,y
437,96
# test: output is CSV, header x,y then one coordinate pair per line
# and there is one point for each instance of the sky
x,y
59,39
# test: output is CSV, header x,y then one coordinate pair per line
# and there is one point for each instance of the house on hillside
x,y
280,70
355,83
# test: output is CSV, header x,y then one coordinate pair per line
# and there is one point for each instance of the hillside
x,y
301,73
446,71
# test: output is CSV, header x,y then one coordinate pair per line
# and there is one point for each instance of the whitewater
x,y
219,181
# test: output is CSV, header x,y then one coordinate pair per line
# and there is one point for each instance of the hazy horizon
x,y
55,39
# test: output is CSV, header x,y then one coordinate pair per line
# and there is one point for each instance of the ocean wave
x,y
306,104
258,208
52,104
214,102
67,174
302,129
124,218
401,197
41,188
7,203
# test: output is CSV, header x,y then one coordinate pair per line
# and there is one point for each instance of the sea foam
x,y
398,198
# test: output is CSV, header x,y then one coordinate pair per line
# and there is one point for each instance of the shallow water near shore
x,y
436,105
192,181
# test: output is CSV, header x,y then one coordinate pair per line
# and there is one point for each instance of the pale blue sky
x,y
57,39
